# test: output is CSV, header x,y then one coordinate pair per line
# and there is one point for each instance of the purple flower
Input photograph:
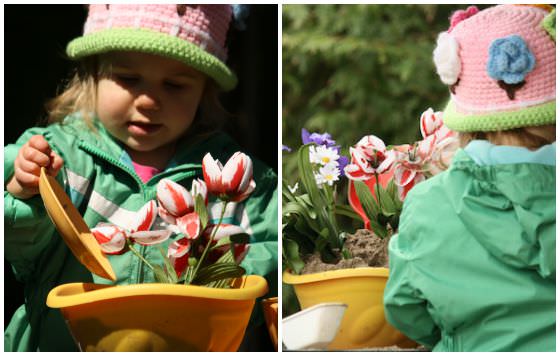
x,y
342,162
286,148
320,139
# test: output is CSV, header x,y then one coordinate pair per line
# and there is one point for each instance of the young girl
x,y
138,110
473,267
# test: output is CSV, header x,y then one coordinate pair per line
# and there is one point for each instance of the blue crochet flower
x,y
510,59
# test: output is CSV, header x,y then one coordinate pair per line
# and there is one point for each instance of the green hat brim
x,y
542,114
147,41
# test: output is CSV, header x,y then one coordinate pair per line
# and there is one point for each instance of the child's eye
x,y
173,85
127,78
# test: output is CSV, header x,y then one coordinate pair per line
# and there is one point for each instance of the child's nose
x,y
147,101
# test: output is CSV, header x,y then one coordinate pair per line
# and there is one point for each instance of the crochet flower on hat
x,y
446,58
509,61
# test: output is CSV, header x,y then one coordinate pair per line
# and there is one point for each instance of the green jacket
x,y
473,267
99,178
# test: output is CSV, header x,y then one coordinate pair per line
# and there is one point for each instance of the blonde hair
x,y
79,95
532,137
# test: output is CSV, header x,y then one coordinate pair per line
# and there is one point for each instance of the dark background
x,y
35,65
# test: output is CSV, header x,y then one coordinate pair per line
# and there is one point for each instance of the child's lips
x,y
142,128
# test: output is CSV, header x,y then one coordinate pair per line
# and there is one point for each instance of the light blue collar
x,y
485,153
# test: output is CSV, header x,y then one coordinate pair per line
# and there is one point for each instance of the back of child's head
x,y
500,65
192,34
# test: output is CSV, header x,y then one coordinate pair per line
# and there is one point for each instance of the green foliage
x,y
310,218
353,70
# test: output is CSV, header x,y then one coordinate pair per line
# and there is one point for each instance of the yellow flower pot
x,y
157,317
364,325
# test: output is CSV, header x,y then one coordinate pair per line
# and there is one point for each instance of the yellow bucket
x,y
270,308
157,317
364,325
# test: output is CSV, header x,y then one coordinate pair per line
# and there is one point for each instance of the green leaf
x,y
160,276
387,205
366,200
202,211
290,251
168,268
217,271
346,210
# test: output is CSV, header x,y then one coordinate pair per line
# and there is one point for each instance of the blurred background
x,y
357,70
35,66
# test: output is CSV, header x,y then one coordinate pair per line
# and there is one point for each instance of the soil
x,y
367,249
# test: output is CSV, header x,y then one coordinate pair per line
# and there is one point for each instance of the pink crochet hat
x,y
192,34
500,64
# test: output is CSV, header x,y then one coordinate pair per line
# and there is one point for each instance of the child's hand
x,y
33,155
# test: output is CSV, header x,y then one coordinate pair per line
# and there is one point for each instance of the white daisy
x,y
327,174
323,155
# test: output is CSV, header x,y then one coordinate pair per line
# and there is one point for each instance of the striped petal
x,y
148,238
354,172
165,216
371,143
179,248
174,198
111,238
199,188
223,230
240,251
360,158
189,225
237,173
430,122
403,175
178,254
425,148
387,164
212,172
244,194
403,190
145,217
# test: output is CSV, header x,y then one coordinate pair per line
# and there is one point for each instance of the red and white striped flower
x,y
178,254
430,122
369,157
112,238
174,200
232,182
446,141
222,230
411,165
189,225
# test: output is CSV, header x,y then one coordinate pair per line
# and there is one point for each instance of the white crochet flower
x,y
446,58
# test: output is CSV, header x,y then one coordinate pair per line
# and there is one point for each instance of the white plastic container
x,y
314,327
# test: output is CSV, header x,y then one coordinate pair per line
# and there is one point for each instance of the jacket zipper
x,y
94,151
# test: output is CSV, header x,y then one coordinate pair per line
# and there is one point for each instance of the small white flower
x,y
322,155
446,58
327,174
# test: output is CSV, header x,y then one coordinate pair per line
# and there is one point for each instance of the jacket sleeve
x,y
405,307
262,211
27,227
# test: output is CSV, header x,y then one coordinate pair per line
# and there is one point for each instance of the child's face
x,y
147,101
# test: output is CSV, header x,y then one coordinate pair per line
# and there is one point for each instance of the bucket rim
x,y
72,294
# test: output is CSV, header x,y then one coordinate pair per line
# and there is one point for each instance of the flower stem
x,y
205,252
377,192
131,247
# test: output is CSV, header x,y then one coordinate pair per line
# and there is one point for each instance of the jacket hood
x,y
516,190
